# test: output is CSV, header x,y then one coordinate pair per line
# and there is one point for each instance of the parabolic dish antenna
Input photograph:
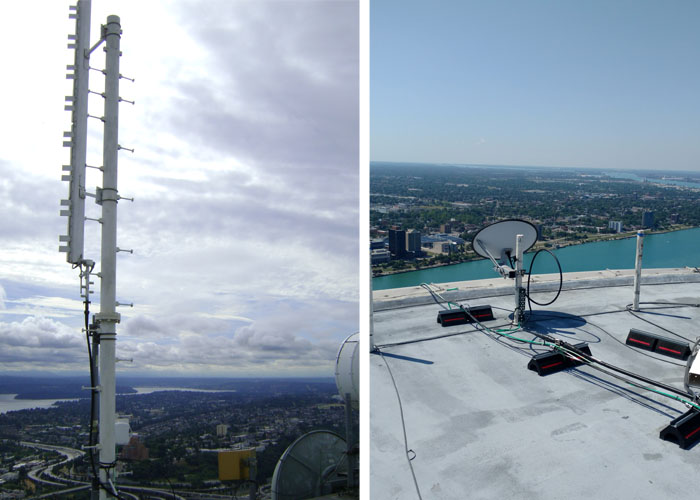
x,y
310,466
347,369
497,240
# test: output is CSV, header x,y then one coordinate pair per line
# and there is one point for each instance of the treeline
x,y
425,196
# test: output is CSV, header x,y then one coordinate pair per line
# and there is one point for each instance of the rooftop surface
x,y
479,424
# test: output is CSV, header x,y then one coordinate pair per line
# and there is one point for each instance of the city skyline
x,y
245,179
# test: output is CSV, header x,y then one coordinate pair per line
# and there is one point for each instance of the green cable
x,y
633,384
506,332
677,398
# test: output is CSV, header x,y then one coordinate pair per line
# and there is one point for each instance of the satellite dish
x,y
497,241
310,467
347,369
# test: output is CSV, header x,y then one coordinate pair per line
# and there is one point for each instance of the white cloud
x,y
245,176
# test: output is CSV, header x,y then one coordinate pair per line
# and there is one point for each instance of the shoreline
x,y
627,235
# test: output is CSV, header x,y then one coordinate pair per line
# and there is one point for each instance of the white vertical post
x,y
349,442
78,139
372,345
518,314
108,317
638,269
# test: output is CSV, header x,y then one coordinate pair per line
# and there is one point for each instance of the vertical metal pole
x,y
95,411
372,345
519,309
253,488
349,441
638,269
108,317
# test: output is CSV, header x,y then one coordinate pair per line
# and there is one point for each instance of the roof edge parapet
x,y
396,298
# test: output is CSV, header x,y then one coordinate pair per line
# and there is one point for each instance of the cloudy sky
x,y
595,83
245,179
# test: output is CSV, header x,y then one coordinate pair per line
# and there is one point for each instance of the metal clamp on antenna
x,y
121,99
132,80
96,220
125,250
124,304
124,198
122,147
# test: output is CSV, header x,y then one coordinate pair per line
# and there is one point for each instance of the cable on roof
x,y
529,274
638,351
567,349
548,340
592,364
403,425
629,310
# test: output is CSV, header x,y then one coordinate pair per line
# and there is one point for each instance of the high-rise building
x,y
616,225
648,219
445,228
413,243
221,430
397,242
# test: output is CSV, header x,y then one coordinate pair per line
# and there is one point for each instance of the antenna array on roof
x,y
103,329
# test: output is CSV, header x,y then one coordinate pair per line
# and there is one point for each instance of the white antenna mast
x,y
108,318
104,333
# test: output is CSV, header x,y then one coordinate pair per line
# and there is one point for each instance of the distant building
x,y
376,244
445,228
616,225
380,256
413,243
397,243
221,430
135,450
648,220
447,247
675,219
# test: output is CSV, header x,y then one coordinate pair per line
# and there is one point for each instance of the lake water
x,y
9,403
675,249
149,390
635,177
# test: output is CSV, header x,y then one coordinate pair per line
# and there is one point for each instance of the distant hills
x,y
71,387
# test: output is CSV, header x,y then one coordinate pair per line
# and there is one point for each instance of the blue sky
x,y
606,84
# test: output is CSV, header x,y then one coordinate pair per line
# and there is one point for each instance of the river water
x,y
675,249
